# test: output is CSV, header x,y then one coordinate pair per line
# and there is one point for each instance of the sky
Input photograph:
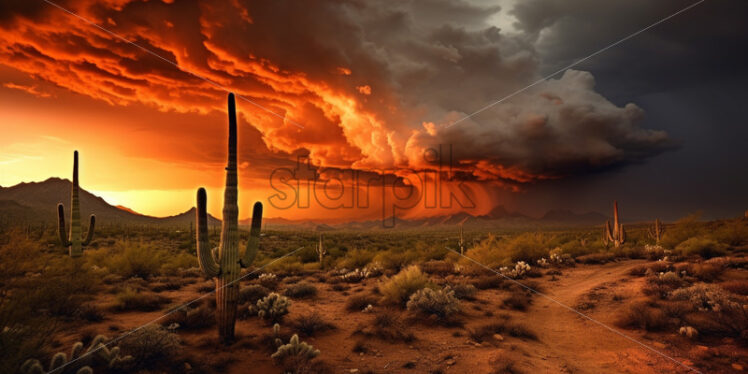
x,y
374,101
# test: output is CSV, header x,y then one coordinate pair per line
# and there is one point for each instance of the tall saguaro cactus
x,y
616,235
462,242
74,242
656,231
225,264
321,251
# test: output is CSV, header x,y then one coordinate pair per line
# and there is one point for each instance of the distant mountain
x,y
37,201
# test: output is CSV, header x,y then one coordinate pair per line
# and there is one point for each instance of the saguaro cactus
x,y
321,251
462,242
616,235
656,231
75,242
225,264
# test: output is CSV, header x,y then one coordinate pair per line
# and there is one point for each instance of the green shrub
x,y
397,290
355,259
704,247
301,290
682,230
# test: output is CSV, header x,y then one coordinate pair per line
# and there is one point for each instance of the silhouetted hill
x,y
38,201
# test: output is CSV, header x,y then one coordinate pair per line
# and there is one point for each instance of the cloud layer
x,y
374,86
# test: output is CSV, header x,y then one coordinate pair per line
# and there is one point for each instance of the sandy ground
x,y
568,343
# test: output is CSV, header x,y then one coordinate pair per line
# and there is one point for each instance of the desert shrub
x,y
191,318
502,325
131,299
436,267
397,290
311,324
738,287
355,276
395,260
488,282
704,272
287,266
662,284
638,271
134,259
518,300
90,312
733,232
301,290
150,345
464,291
682,230
268,280
528,247
272,307
642,314
388,327
176,262
357,258
704,247
252,293
358,303
166,286
441,303
295,356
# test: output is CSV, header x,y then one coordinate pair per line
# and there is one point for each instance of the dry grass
x,y
301,290
311,324
397,290
357,303
131,299
642,314
389,327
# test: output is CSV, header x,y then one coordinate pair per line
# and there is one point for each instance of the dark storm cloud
x,y
374,85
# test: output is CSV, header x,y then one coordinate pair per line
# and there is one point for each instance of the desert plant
x,y
268,280
271,307
655,232
321,251
301,290
441,303
151,344
464,291
355,276
132,299
704,247
397,290
252,293
358,303
75,242
616,235
225,264
80,361
311,324
461,243
295,354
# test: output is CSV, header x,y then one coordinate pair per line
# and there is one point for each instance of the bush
x,y
151,345
596,258
356,259
738,287
272,307
301,290
131,299
388,327
268,280
358,303
192,318
252,293
311,324
294,357
682,230
135,260
397,290
464,291
518,300
440,268
642,314
704,247
488,282
441,303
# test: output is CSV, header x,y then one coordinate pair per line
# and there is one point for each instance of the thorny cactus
x,y
656,231
616,235
295,350
75,242
80,361
321,251
355,276
225,264
271,307
441,303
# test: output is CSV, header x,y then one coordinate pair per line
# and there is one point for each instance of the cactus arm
x,y
608,232
621,235
207,264
254,236
61,223
90,234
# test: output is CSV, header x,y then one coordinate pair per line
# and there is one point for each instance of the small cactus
x,y
224,262
462,242
80,361
656,231
295,350
617,234
75,242
321,251
271,307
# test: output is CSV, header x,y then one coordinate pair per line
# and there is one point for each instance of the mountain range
x,y
37,201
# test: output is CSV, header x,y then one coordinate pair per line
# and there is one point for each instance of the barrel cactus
x,y
75,241
224,263
616,235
